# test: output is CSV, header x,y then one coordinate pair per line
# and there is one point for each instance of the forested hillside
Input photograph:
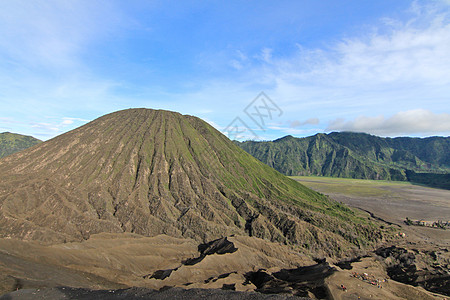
x,y
355,155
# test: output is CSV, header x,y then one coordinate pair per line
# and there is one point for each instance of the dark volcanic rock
x,y
214,279
305,274
266,283
161,274
347,264
219,246
139,293
299,281
401,265
438,282
229,287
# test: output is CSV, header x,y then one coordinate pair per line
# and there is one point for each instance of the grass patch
x,y
354,187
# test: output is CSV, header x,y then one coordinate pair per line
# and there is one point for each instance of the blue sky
x,y
381,67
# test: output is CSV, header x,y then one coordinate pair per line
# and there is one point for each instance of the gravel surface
x,y
137,293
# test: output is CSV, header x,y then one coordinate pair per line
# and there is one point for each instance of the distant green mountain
x,y
355,155
12,142
419,154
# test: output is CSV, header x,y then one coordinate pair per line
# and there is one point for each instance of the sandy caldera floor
x,y
117,261
393,202
112,261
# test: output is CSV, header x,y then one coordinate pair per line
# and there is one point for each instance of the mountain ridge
x,y
354,155
12,142
157,172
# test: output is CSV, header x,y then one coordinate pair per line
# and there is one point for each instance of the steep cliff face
x,y
319,155
151,172
353,155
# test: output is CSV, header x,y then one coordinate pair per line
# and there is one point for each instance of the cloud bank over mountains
x,y
411,122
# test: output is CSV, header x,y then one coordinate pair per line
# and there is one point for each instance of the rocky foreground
x,y
235,267
137,293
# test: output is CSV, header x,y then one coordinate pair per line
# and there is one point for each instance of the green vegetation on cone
x,y
156,172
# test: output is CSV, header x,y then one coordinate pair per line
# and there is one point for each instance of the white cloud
x,y
43,68
51,34
395,66
54,126
46,127
266,55
66,119
418,121
7,120
296,131
297,123
395,54
446,2
236,64
239,60
67,122
213,124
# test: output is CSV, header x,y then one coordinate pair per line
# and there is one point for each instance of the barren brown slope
x,y
151,172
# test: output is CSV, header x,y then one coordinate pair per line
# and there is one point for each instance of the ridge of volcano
x,y
154,172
